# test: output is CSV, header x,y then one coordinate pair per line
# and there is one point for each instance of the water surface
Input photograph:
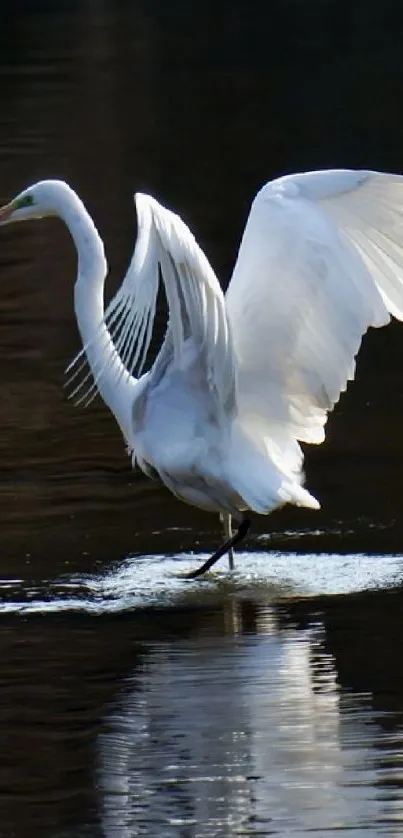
x,y
223,708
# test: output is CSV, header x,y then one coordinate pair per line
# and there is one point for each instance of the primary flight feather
x,y
240,379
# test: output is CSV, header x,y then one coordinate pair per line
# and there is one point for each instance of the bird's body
x,y
239,380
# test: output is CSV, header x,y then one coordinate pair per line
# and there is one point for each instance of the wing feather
x,y
165,247
196,302
321,260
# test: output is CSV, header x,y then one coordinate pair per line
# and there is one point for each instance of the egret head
x,y
37,201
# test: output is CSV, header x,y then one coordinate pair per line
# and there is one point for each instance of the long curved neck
x,y
114,383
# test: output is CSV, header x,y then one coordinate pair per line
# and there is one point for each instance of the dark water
x,y
132,703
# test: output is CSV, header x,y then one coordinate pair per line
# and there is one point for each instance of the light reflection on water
x,y
220,708
247,736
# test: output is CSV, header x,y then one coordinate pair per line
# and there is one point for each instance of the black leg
x,y
242,530
226,519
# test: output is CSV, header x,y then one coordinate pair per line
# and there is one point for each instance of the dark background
x,y
198,104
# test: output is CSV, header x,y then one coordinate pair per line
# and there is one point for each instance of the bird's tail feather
x,y
262,483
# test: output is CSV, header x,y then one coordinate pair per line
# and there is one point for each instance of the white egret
x,y
241,379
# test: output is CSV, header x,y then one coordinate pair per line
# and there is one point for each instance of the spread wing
x,y
320,261
165,248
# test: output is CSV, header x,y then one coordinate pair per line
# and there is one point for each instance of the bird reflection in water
x,y
240,734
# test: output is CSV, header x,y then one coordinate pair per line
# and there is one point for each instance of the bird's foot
x,y
240,534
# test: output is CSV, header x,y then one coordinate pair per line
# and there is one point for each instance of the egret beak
x,y
5,212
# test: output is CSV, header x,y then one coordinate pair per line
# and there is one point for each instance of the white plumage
x,y
240,380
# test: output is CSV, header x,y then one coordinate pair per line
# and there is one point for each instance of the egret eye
x,y
25,201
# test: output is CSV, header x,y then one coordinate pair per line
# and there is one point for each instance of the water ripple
x,y
159,580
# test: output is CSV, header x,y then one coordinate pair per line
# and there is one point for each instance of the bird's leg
x,y
242,530
226,521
